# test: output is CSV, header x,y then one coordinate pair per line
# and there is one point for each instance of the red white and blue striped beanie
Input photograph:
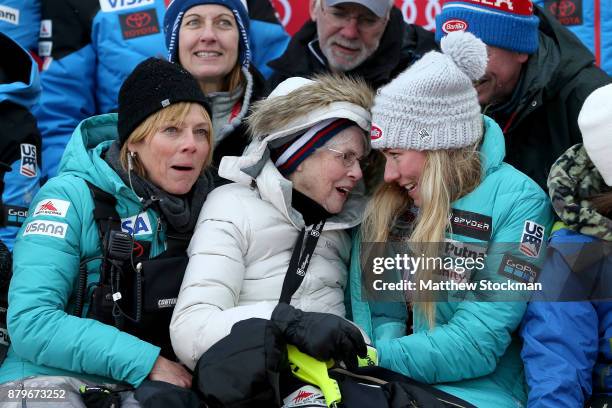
x,y
288,156
507,24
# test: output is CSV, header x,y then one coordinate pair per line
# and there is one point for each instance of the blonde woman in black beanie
x,y
123,206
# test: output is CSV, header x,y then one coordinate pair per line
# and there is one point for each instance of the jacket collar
x,y
83,154
492,148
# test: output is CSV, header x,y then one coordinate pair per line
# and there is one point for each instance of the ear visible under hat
x,y
595,122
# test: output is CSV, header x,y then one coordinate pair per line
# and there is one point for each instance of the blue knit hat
x,y
174,16
508,24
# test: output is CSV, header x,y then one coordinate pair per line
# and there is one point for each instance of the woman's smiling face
x,y
208,43
405,168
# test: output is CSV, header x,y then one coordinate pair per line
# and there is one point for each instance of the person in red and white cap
x,y
537,78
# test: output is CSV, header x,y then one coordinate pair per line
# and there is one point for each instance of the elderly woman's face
x,y
208,42
174,156
328,176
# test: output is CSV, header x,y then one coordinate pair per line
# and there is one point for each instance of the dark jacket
x,y
540,121
400,45
19,137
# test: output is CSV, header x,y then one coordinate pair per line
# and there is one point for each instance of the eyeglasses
x,y
349,158
339,17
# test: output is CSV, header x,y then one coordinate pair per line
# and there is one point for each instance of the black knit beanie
x,y
153,85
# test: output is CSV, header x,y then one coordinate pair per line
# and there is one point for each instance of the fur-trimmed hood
x,y
296,100
293,107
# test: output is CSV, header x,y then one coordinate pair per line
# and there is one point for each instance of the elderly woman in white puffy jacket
x,y
301,171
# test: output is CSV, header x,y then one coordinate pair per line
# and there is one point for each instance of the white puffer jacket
x,y
243,241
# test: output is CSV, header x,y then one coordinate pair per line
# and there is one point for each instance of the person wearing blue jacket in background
x,y
567,345
444,167
152,159
20,20
95,44
591,21
19,137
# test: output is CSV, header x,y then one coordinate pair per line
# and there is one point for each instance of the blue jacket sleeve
x,y
67,97
68,76
20,186
47,254
268,36
560,339
21,21
559,352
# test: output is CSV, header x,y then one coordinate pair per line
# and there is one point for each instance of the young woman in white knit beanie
x,y
446,183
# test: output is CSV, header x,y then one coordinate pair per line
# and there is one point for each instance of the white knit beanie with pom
x,y
433,104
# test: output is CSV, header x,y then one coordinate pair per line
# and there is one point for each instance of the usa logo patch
x,y
28,160
531,239
137,225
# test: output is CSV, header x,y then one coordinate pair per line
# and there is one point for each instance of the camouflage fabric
x,y
572,180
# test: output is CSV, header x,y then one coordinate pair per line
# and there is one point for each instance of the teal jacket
x,y
59,233
472,351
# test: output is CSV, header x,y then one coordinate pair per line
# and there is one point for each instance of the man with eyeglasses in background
x,y
364,38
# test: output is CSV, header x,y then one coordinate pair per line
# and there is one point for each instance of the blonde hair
x,y
173,115
447,176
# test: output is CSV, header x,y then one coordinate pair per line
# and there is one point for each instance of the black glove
x,y
320,335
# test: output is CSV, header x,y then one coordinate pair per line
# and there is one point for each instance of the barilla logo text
x,y
9,14
53,206
454,25
375,132
116,5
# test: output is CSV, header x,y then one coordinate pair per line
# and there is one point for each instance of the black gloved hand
x,y
320,335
